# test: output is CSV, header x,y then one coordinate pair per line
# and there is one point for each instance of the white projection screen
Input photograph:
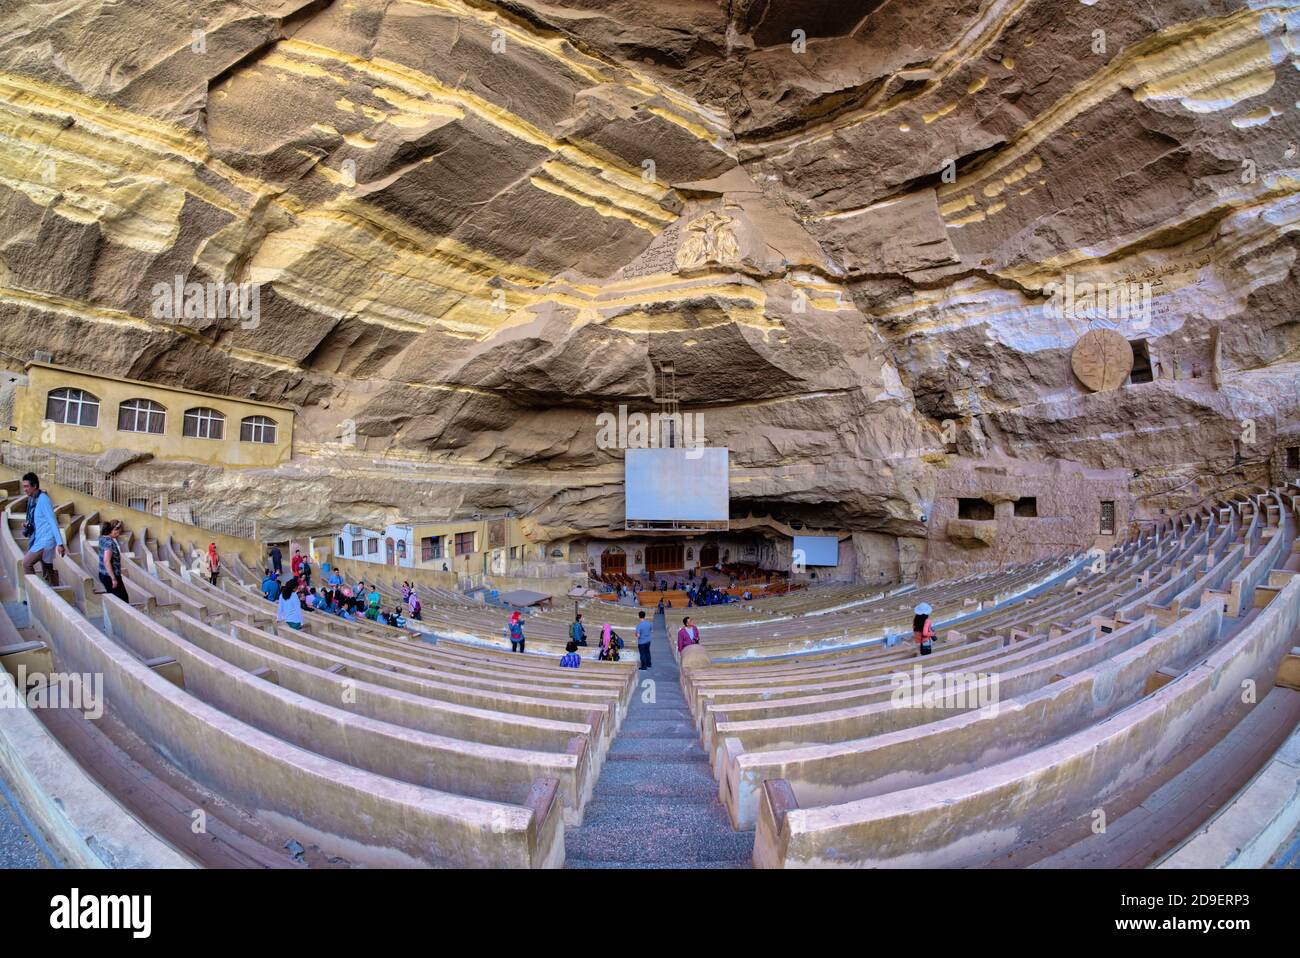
x,y
818,550
668,485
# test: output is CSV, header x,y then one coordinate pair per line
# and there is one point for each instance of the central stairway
x,y
656,802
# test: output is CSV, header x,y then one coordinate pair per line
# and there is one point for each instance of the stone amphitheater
x,y
799,318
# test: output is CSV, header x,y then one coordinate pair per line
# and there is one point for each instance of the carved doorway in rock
x,y
390,551
709,554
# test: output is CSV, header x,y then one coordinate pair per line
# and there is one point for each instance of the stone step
x,y
655,812
655,748
683,842
571,863
657,728
638,800
661,712
686,780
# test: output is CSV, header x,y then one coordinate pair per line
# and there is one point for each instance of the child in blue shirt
x,y
571,659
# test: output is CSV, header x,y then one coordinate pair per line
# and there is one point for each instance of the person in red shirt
x,y
688,634
295,564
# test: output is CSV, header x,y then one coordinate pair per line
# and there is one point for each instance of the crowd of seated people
x,y
337,598
702,593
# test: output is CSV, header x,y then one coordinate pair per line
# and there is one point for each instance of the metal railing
x,y
81,477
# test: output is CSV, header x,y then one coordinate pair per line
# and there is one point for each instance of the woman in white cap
x,y
922,629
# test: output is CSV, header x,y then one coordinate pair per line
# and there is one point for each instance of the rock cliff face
x,y
865,237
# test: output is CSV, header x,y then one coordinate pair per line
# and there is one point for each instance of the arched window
x,y
141,415
257,429
72,407
204,423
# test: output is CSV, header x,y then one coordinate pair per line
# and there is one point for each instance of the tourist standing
x,y
578,631
516,631
211,564
688,634
289,609
923,629
110,560
277,561
41,529
296,562
643,632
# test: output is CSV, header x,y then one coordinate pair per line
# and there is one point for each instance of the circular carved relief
x,y
1102,359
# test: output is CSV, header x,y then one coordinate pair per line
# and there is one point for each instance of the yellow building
x,y
80,412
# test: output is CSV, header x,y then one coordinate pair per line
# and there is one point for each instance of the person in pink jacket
x,y
923,629
688,634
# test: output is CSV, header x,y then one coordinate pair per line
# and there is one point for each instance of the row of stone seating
x,y
889,616
722,688
381,748
829,763
966,602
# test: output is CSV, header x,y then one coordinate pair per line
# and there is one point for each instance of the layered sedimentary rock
x,y
847,227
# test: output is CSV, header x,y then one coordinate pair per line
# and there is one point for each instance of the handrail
x,y
81,477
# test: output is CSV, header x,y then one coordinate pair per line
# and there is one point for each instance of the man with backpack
x,y
577,631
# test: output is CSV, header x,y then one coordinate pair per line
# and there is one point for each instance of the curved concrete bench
x,y
544,675
364,817
590,697
979,816
430,686
951,606
1249,830
460,767
1021,670
836,716
214,602
955,744
84,825
391,705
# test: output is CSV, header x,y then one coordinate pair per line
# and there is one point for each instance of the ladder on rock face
x,y
666,397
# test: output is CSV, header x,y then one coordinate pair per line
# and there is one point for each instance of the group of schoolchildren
x,y
705,594
361,601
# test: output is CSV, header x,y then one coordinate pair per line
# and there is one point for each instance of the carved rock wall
x,y
477,225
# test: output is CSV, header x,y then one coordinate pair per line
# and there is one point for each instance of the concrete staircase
x,y
656,803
